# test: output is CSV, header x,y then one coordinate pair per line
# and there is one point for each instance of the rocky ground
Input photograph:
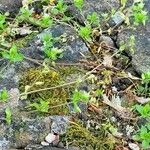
x,y
106,67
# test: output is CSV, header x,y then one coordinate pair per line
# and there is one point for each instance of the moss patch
x,y
39,79
81,137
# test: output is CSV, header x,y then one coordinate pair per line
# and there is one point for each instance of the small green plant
x,y
85,33
143,88
24,14
8,115
59,8
93,19
143,136
79,4
45,21
13,55
41,106
79,96
144,111
50,51
3,95
140,16
2,21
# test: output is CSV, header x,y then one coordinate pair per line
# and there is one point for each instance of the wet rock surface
x,y
11,6
140,60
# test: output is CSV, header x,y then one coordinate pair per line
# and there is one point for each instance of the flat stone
x,y
141,58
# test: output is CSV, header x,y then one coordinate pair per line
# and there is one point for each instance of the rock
x,y
70,42
23,132
13,100
10,5
60,124
107,40
133,146
10,76
89,7
39,147
117,19
140,60
50,138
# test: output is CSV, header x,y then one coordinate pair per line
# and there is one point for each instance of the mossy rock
x,y
37,78
81,137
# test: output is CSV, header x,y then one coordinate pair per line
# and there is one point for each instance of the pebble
x,y
50,138
133,146
44,143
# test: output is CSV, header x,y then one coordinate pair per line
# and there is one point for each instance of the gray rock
x,y
39,147
59,124
23,132
107,40
141,58
99,6
10,5
70,42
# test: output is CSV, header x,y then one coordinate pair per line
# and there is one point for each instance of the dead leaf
x,y
142,100
107,61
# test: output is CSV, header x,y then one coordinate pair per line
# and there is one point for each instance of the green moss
x,y
81,137
22,42
39,79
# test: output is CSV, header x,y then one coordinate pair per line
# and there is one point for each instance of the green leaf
x,y
46,21
93,19
2,21
8,115
79,96
13,54
79,4
146,144
4,95
42,106
54,53
85,33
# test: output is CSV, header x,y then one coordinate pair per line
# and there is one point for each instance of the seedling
x,y
45,21
140,16
42,106
93,19
79,96
143,136
85,33
13,55
50,51
144,111
3,95
143,88
79,4
2,21
8,115
59,8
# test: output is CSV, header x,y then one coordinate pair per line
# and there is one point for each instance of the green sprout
x,y
139,14
42,106
3,95
13,55
85,33
79,96
8,115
